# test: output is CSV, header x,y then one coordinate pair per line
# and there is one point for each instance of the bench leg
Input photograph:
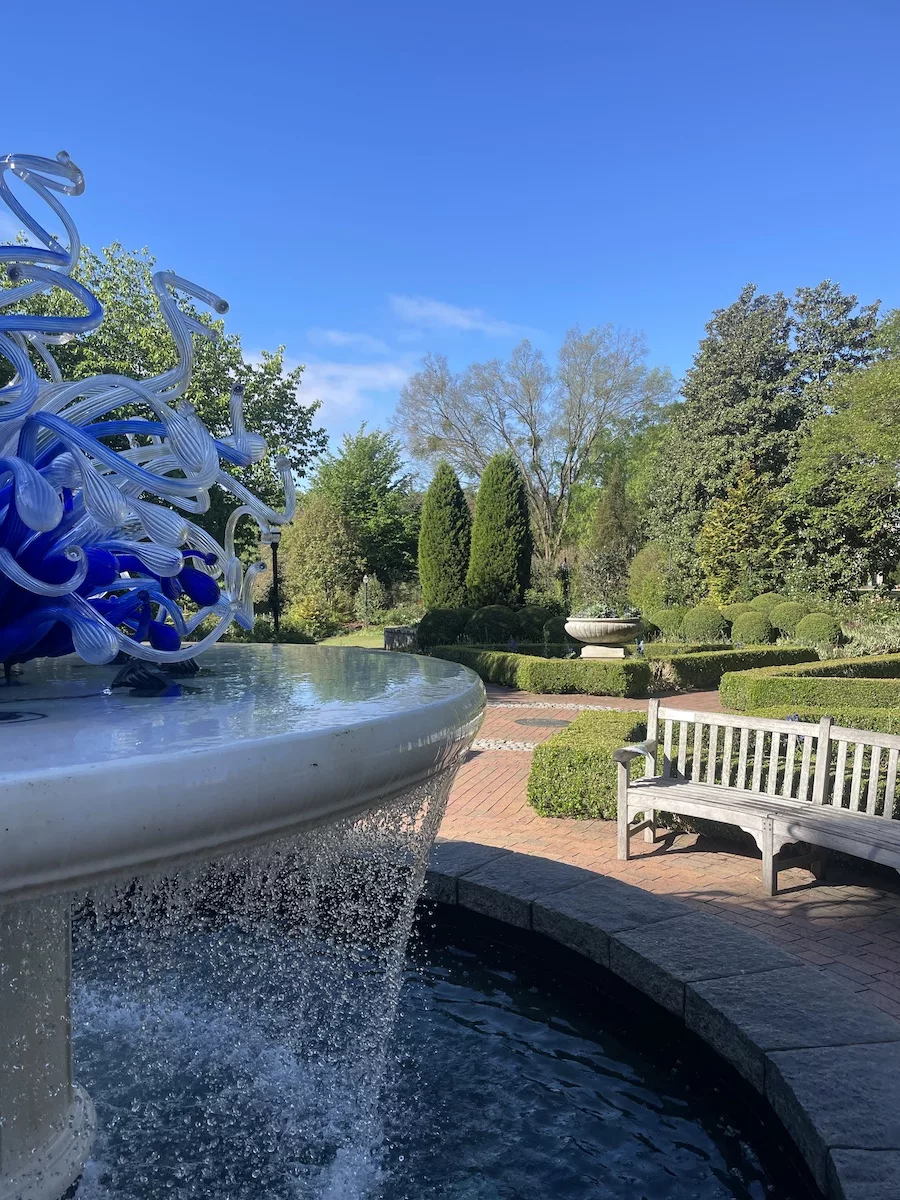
x,y
818,862
623,833
650,831
769,867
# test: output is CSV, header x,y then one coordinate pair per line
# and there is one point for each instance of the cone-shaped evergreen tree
x,y
444,536
500,561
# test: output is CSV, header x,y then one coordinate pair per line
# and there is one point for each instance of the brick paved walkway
x,y
849,925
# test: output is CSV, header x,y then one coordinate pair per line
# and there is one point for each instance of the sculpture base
x,y
603,652
56,1165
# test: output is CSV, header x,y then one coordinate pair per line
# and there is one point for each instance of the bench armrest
x,y
627,753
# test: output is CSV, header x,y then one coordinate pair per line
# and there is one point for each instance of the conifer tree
x,y
500,559
444,538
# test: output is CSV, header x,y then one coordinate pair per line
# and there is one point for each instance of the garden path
x,y
849,925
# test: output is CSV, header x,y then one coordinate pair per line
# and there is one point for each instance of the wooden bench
x,y
782,782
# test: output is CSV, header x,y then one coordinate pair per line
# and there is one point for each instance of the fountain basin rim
x,y
64,828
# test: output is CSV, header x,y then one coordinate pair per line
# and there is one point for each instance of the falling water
x,y
280,1078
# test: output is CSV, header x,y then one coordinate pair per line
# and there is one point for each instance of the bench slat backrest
x,y
820,763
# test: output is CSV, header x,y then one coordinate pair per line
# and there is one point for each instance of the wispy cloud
x,y
347,338
351,389
437,314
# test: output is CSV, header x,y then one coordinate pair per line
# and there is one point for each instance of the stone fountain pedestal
x,y
97,785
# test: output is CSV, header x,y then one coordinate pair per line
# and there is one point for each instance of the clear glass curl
x,y
90,562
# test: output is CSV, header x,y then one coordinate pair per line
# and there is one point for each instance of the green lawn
x,y
372,638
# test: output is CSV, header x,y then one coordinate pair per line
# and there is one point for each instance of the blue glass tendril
x,y
89,561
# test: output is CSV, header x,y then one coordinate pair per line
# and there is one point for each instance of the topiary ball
x,y
767,601
491,624
704,623
786,617
530,622
670,622
819,629
732,611
442,626
554,632
752,629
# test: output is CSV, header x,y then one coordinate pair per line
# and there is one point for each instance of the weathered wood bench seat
x,y
783,782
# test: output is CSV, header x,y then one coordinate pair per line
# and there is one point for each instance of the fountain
x,y
338,761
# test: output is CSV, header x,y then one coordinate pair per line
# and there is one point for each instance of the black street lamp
x,y
365,602
272,538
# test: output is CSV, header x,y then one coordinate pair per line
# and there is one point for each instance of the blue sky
x,y
368,182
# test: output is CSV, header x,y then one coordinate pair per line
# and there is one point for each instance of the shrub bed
x,y
786,617
669,621
880,720
443,626
838,684
616,677
818,629
573,773
706,669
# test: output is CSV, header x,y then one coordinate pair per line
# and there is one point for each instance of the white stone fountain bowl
x,y
96,785
602,631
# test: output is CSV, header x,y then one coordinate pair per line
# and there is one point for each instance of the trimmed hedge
x,y
880,720
555,630
669,621
493,623
786,617
838,684
705,670
704,624
530,622
752,628
442,626
588,677
767,601
818,629
573,773
731,611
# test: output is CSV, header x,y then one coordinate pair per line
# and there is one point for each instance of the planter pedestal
x,y
602,651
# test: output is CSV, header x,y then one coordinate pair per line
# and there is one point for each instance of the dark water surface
x,y
210,1081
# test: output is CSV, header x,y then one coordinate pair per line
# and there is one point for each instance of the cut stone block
x,y
449,860
863,1175
584,916
505,887
660,959
794,1008
839,1096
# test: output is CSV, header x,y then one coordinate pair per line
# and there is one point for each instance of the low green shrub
x,y
442,626
731,611
767,601
786,617
573,773
530,622
836,684
879,720
532,649
492,623
704,623
705,670
669,621
545,598
818,629
289,632
667,649
752,629
589,677
555,630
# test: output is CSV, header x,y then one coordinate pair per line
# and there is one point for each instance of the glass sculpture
x,y
90,560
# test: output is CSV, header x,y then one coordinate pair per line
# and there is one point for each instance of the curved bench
x,y
780,781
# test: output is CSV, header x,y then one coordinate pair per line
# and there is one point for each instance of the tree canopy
x,y
550,421
366,482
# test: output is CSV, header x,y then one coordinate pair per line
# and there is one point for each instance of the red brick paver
x,y
849,925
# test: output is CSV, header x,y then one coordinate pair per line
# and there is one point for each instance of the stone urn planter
x,y
604,637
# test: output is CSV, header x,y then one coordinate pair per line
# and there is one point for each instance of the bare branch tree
x,y
553,422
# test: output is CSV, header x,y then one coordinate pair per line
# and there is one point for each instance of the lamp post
x,y
365,602
272,538
564,578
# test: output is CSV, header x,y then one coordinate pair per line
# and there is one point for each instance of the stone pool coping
x,y
828,1065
